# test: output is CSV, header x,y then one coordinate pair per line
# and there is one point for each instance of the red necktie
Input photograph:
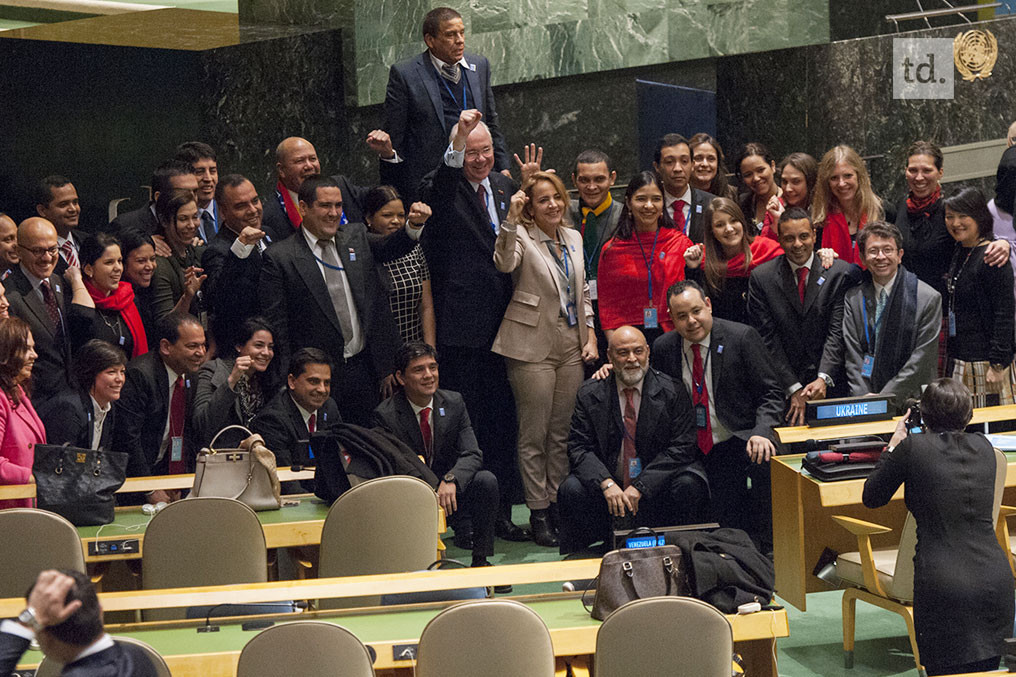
x,y
481,196
51,308
428,437
700,396
628,444
679,215
67,248
177,410
802,281
312,422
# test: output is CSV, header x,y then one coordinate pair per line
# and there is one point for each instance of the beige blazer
x,y
530,321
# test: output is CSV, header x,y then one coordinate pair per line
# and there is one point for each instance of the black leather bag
x,y
78,483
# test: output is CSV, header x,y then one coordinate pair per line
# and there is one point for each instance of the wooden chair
x,y
48,541
884,577
308,648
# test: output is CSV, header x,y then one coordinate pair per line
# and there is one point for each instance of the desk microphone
x,y
285,606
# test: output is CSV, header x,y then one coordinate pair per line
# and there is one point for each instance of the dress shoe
x,y
505,529
463,539
499,589
543,532
555,518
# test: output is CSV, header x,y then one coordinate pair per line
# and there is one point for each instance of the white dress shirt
x,y
98,418
669,200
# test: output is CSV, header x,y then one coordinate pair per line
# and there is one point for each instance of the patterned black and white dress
x,y
407,275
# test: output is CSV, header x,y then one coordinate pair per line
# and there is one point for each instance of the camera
x,y
914,423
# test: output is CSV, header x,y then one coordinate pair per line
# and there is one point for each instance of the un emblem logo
x,y
975,53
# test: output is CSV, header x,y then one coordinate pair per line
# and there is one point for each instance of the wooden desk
x,y
803,526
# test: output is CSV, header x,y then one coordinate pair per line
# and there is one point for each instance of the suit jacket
x,y
141,414
68,418
530,322
230,292
279,422
216,405
61,264
455,447
664,433
700,200
803,339
52,371
295,301
920,369
613,214
414,116
20,430
470,295
168,282
121,659
142,218
747,396
275,222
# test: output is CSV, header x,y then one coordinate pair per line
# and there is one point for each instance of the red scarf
x,y
122,301
291,210
762,249
836,236
916,205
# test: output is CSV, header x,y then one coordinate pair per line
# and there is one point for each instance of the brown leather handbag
x,y
247,474
637,573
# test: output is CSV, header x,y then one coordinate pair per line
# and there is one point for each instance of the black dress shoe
x,y
504,528
499,589
543,532
463,539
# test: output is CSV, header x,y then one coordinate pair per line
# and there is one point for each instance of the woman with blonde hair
x,y
545,336
843,201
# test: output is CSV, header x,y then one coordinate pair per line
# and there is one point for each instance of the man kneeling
x,y
632,451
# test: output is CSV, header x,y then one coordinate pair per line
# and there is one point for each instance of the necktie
x,y
451,73
481,197
425,432
312,423
700,396
207,225
802,281
628,444
879,308
679,215
51,308
70,256
177,411
336,288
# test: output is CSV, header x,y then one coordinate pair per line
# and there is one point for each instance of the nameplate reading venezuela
x,y
847,410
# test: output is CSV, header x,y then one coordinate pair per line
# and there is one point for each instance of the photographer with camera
x,y
963,588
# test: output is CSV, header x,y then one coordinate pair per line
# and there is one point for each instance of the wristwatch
x,y
997,367
610,483
27,618
450,478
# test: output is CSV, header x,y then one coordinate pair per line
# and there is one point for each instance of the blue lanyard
x,y
566,258
878,322
651,261
451,93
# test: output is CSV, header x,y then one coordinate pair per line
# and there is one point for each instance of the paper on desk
x,y
1003,442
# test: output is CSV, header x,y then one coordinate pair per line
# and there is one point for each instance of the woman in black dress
x,y
963,588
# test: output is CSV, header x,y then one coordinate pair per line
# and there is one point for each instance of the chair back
x,y
382,526
202,541
34,540
51,668
493,638
306,648
665,636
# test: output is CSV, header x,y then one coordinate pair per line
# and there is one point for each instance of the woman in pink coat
x,y
20,427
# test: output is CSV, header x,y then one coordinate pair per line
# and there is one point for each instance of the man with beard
x,y
632,451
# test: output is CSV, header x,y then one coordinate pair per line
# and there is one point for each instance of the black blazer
x,y
803,340
52,371
455,447
414,116
295,301
230,292
124,660
216,406
282,426
68,420
664,434
700,200
61,264
747,396
275,222
141,415
142,218
470,295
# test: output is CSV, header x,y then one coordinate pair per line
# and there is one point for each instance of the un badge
x,y
975,53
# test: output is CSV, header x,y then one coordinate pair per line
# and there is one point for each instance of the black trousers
x,y
480,377
585,520
478,505
356,388
986,665
733,505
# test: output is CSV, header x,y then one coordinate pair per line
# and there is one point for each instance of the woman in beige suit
x,y
546,335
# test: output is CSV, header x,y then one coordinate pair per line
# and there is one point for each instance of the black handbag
x,y
78,483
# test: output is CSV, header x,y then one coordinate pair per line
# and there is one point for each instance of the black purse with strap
x,y
78,484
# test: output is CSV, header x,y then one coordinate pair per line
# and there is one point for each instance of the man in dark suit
x,y
797,306
736,399
632,452
683,203
435,424
153,414
321,289
201,157
64,616
303,407
295,160
470,296
232,260
56,200
56,312
171,174
426,93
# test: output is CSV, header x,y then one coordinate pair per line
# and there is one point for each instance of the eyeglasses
x,y
887,251
39,252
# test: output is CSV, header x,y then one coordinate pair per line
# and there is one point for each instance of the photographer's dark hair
x,y
410,351
970,201
305,357
169,326
626,221
95,246
251,326
93,358
946,406
85,625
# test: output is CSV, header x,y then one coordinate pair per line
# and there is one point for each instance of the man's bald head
x,y
8,242
628,352
295,160
1011,135
37,243
479,152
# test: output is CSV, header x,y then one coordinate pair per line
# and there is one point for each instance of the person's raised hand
x,y
380,142
419,212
